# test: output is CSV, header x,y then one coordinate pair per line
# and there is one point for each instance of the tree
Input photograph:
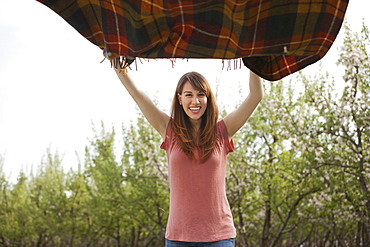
x,y
300,173
341,142
146,178
267,171
128,197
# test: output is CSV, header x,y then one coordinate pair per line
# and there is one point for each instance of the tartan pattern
x,y
275,38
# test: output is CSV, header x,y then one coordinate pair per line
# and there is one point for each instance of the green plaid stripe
x,y
274,37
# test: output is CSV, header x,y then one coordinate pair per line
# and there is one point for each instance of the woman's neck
x,y
195,124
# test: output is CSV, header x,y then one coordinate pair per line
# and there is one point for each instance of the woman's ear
x,y
179,98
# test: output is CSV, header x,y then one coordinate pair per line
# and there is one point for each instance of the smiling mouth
x,y
194,109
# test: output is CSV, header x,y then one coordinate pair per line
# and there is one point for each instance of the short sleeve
x,y
228,142
166,142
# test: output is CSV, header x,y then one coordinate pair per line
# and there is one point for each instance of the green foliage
x,y
299,175
107,201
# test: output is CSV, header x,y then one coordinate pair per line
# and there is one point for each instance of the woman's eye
x,y
188,95
202,95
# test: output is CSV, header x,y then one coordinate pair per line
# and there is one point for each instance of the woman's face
x,y
193,101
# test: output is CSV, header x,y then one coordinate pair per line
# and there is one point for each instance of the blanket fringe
x,y
232,64
124,63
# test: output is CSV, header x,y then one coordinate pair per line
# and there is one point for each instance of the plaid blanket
x,y
274,38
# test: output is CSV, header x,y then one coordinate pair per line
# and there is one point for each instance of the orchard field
x,y
300,174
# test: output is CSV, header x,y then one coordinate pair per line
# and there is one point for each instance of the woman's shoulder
x,y
222,128
221,124
222,132
169,135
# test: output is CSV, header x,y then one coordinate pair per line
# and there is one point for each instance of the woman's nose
x,y
196,100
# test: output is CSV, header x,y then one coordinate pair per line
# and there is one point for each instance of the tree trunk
x,y
267,223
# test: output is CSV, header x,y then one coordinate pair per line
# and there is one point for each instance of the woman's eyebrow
x,y
192,92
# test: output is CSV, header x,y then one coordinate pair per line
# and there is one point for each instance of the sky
x,y
53,86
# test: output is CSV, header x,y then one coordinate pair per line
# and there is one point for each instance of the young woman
x,y
196,145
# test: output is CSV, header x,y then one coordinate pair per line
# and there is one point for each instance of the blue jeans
x,y
222,243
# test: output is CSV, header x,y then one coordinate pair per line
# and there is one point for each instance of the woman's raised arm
x,y
236,119
157,118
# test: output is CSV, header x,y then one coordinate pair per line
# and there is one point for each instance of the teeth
x,y
194,108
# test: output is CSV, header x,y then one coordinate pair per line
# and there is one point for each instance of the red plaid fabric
x,y
275,38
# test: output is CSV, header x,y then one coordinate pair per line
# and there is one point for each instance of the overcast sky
x,y
53,86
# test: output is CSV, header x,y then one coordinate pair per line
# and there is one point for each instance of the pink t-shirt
x,y
199,210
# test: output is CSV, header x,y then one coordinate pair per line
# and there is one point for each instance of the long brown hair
x,y
181,124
